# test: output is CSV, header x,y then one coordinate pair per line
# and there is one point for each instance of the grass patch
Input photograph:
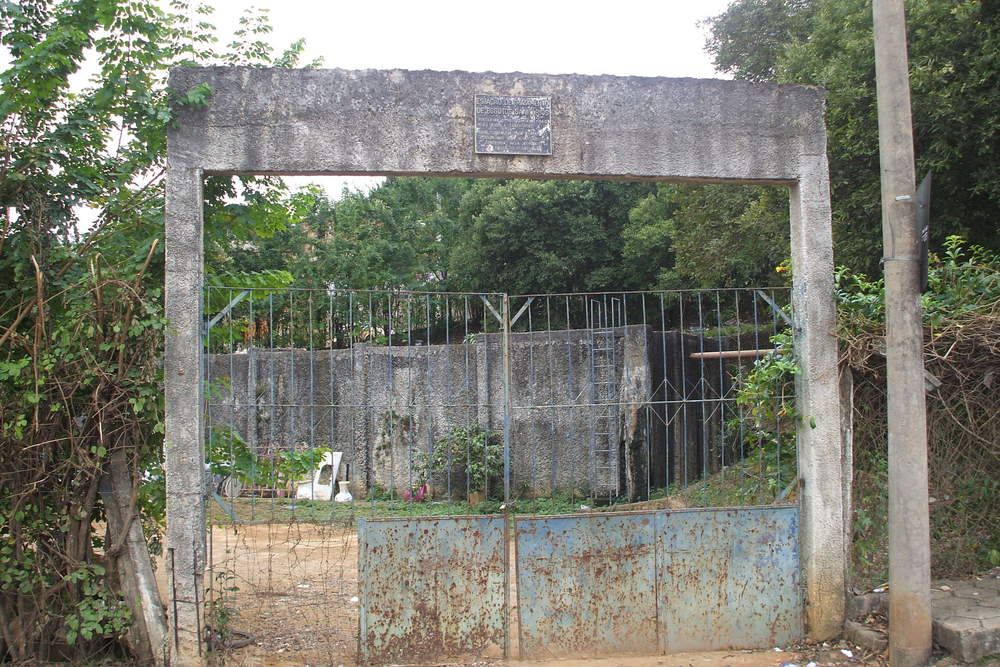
x,y
751,482
289,510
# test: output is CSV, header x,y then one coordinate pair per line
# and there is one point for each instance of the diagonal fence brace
x,y
225,311
777,309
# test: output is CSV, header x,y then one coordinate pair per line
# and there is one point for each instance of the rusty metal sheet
x,y
729,578
586,584
432,588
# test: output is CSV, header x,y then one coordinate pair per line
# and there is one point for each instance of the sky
x,y
624,37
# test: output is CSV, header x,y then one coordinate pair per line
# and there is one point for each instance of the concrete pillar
x,y
183,442
910,622
821,451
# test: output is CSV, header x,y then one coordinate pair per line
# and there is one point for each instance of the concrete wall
x,y
380,405
608,412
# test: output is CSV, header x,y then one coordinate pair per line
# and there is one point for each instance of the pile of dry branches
x,y
962,361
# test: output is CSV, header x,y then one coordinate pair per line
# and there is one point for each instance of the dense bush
x,y
81,314
962,361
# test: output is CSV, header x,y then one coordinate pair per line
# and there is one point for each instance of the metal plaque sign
x,y
509,125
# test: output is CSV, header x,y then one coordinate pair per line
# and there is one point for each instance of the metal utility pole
x,y
909,532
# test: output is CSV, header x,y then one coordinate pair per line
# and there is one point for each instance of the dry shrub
x,y
962,360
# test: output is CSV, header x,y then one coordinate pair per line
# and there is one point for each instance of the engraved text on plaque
x,y
508,125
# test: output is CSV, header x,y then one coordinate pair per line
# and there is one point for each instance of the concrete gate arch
x,y
395,122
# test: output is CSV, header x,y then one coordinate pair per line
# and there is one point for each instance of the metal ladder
x,y
604,452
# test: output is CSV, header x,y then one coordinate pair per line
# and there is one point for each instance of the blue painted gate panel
x,y
729,578
432,587
586,584
593,584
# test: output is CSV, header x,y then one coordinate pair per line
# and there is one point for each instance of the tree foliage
x,y
394,237
528,237
80,322
81,314
749,38
685,236
954,70
521,236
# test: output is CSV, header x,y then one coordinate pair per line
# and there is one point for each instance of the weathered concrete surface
x,y
860,634
859,606
409,122
397,122
966,617
183,443
823,459
382,406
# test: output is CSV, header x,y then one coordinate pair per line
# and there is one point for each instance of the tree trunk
x,y
129,556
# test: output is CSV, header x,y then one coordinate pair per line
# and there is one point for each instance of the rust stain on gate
x,y
432,587
586,584
728,578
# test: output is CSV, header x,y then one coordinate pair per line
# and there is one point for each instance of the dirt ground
x,y
294,588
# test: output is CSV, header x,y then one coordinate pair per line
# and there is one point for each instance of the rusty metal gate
x,y
729,578
432,586
586,585
615,394
649,582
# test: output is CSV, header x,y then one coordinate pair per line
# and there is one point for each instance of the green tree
x,y
648,247
426,210
749,38
517,236
954,50
398,235
691,236
527,237
81,316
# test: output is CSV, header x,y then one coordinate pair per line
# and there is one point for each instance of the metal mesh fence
x,y
647,380
324,406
